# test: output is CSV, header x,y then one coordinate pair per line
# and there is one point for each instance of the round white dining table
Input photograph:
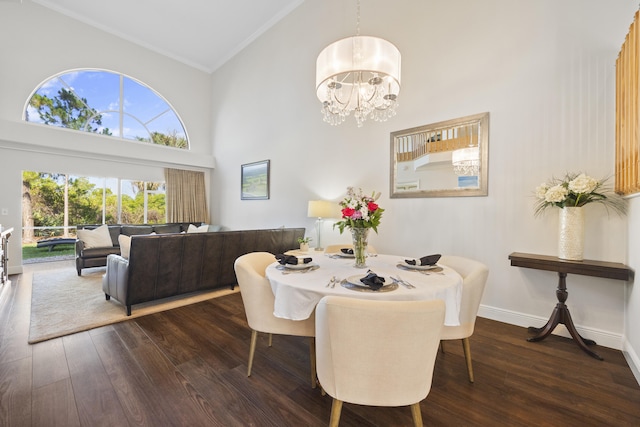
x,y
297,292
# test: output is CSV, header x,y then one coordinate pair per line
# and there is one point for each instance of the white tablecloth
x,y
297,294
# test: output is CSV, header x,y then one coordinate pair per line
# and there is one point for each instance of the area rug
x,y
64,303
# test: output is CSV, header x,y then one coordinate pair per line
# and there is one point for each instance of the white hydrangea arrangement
x,y
576,190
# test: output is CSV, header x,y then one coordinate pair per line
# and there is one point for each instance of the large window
x,y
107,103
54,203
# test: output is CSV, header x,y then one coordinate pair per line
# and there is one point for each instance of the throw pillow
x,y
96,238
204,228
125,245
214,228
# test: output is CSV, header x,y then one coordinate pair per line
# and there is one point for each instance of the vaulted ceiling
x,y
201,33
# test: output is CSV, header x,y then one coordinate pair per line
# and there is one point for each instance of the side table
x,y
560,314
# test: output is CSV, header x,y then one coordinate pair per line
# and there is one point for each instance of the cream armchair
x,y
377,353
474,277
258,300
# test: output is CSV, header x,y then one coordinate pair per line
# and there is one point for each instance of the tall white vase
x,y
571,234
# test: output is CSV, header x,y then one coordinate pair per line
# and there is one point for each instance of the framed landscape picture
x,y
254,178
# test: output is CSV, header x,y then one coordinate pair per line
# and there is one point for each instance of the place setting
x,y
295,264
347,253
371,282
425,265
343,253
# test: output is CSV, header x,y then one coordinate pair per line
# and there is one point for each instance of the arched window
x,y
106,103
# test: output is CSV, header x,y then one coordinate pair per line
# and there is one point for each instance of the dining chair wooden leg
x,y
252,350
336,409
312,358
270,340
467,355
416,414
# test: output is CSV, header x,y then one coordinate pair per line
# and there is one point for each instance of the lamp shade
x,y
466,155
356,54
320,209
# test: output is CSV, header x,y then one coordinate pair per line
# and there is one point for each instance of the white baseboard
x,y
632,359
603,338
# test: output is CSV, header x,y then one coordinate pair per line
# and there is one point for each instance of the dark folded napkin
x,y
425,260
373,281
347,251
291,259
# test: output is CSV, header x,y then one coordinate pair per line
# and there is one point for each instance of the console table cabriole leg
x,y
543,332
557,315
561,314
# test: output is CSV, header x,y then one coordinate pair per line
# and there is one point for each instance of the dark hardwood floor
x,y
187,367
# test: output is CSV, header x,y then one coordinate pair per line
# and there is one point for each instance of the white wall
x,y
38,43
545,71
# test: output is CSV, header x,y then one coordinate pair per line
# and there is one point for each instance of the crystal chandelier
x,y
359,74
466,161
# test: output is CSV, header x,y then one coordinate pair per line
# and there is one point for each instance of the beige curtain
x,y
186,196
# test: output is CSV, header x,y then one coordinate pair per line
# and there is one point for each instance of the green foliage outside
x,y
46,195
170,139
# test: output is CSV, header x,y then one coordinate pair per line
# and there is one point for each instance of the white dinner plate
x,y
419,267
300,266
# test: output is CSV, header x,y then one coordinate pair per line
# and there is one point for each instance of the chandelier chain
x,y
358,18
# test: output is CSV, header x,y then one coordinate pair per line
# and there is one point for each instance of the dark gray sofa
x,y
97,257
161,266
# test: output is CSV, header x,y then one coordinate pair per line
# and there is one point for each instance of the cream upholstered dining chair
x,y
333,249
474,277
377,353
258,300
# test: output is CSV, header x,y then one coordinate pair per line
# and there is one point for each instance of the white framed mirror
x,y
445,159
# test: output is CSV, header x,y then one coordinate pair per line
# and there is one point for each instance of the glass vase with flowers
x,y
360,213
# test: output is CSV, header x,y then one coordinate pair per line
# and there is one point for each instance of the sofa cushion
x,y
96,238
167,228
125,245
204,228
135,230
93,253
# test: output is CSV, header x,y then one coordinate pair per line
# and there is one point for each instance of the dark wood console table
x,y
560,314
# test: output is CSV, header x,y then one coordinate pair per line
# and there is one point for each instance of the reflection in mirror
x,y
442,159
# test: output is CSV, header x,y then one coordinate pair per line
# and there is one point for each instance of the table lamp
x,y
320,209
